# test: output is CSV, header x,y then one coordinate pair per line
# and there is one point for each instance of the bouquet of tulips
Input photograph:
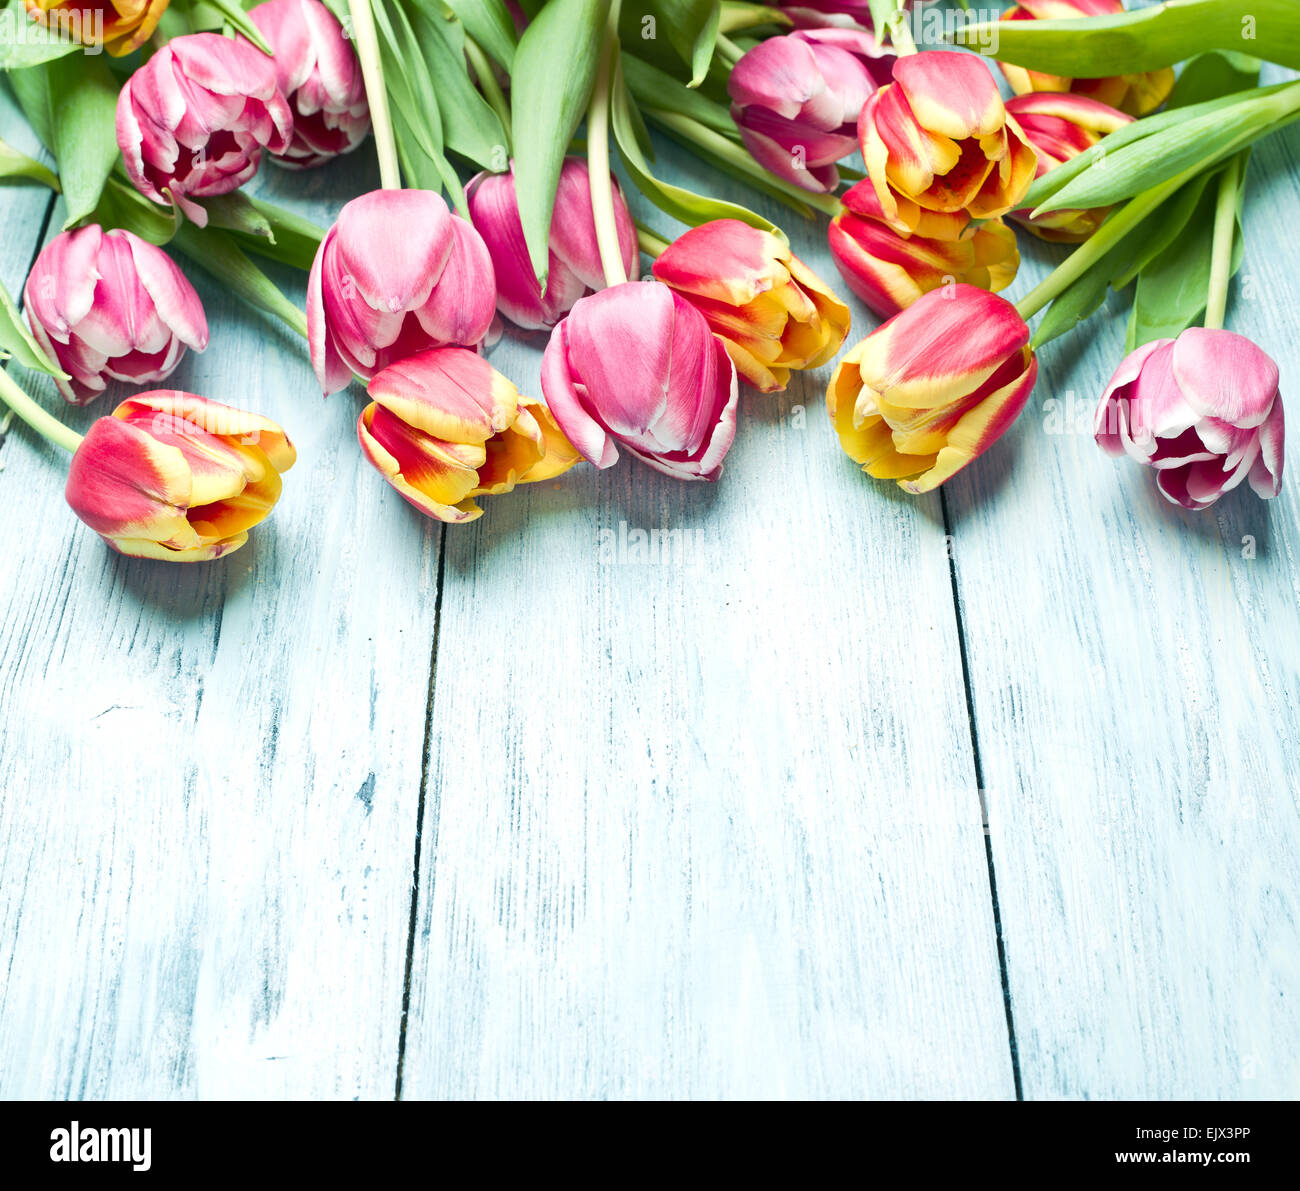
x,y
494,123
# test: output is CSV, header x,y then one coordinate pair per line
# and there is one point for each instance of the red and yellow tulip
x,y
773,314
120,26
933,388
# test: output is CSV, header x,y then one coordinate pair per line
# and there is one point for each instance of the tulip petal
x,y
449,393
953,95
428,475
1224,375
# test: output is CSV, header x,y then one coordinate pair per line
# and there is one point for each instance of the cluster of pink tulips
x,y
406,294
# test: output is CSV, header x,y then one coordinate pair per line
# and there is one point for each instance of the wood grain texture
x,y
211,773
704,824
1136,685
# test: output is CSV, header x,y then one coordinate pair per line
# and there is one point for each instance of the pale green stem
x,y
728,50
1225,232
598,175
736,17
650,241
1099,243
487,83
372,73
726,150
900,33
45,424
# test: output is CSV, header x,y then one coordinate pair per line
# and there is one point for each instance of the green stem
x,y
218,253
736,16
717,145
650,241
487,83
1225,232
1101,242
728,50
599,179
900,33
45,424
372,72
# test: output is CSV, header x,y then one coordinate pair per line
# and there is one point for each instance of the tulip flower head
x,y
396,274
192,121
889,269
176,477
772,313
1061,126
1132,94
318,73
575,268
120,26
444,426
636,366
795,100
938,139
1203,410
933,388
110,306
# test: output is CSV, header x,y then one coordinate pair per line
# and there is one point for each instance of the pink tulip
x,y
636,365
837,14
110,306
395,275
1203,410
318,73
928,392
192,121
796,101
574,269
176,477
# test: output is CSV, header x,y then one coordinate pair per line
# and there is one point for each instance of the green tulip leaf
x,y
1142,39
83,104
27,43
121,205
17,343
233,14
486,21
18,165
656,88
555,66
691,27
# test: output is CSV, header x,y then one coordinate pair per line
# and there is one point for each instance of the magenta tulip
x,y
575,268
396,274
637,366
192,121
1203,410
318,73
110,306
796,101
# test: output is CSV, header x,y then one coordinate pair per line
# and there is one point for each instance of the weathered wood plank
x,y
707,825
210,775
1136,686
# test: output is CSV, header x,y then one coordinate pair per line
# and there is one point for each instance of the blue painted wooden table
x,y
984,794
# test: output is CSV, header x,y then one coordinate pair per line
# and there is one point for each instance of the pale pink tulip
x,y
110,306
575,268
637,366
192,121
1203,410
796,101
395,275
319,74
176,477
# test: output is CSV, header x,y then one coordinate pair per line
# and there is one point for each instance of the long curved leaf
x,y
1144,38
555,65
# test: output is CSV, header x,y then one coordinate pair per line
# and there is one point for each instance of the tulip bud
x,y
773,314
927,392
939,139
574,269
1061,127
444,426
1203,410
395,275
637,365
795,100
192,121
176,477
1133,94
889,269
120,26
318,73
110,306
